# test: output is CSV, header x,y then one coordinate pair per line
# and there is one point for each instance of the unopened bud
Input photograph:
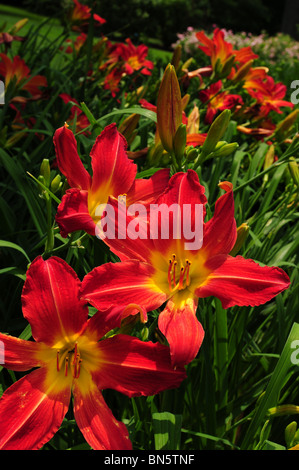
x,y
179,141
294,170
45,171
215,133
284,126
289,433
155,154
227,66
225,150
128,126
242,72
56,184
176,56
169,108
191,154
242,233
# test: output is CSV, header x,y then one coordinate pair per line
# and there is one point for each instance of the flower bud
x,y
179,141
289,433
128,126
224,150
191,154
215,133
227,66
45,171
56,184
242,233
286,124
176,56
294,170
242,72
169,108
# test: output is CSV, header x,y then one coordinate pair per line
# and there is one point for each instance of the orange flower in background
x,y
221,52
16,73
269,95
218,100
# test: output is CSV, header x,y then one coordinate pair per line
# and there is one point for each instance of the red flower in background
x,y
75,45
218,100
158,269
113,175
130,58
17,73
70,356
81,14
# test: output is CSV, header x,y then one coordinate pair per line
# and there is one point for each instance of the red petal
x,y
72,213
182,330
239,281
50,300
103,322
18,354
184,191
96,421
129,237
146,191
220,232
135,367
121,284
68,159
29,416
113,171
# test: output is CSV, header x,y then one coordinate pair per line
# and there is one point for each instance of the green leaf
x,y
269,445
6,244
278,379
167,430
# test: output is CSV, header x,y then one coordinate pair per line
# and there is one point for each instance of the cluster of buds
x,y
47,183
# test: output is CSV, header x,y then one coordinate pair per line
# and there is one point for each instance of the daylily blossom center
x,y
134,62
69,361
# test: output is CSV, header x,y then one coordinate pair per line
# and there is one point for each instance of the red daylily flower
x,y
113,175
81,14
218,100
18,72
130,58
154,270
269,95
70,355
